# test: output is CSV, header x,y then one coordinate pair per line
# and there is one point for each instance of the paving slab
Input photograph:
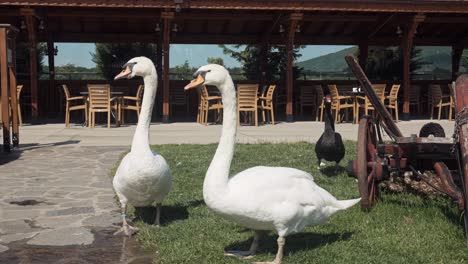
x,y
194,133
50,200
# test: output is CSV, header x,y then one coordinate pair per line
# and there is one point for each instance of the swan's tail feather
x,y
345,204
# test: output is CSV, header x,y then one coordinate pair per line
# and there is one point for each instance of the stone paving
x,y
56,195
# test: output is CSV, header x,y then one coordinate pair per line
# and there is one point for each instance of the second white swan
x,y
285,200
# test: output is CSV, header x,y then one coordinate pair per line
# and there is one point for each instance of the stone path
x,y
56,196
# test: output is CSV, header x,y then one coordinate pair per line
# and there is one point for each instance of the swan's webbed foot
x,y
127,229
249,253
240,254
279,254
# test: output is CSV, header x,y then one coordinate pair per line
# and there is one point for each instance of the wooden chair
x,y
247,98
307,98
392,100
132,103
440,101
70,105
364,103
19,88
207,103
320,102
178,98
100,101
266,103
415,98
340,102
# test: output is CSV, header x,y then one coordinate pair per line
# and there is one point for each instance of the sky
x,y
80,54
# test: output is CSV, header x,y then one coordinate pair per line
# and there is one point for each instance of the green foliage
x,y
401,228
386,63
212,60
182,72
250,58
22,59
73,72
109,57
464,59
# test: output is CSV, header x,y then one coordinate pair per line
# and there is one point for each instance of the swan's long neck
x,y
217,176
329,122
141,136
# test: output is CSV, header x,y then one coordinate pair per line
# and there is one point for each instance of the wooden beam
x,y
31,27
13,106
4,95
380,24
457,51
167,18
293,21
402,6
51,60
363,53
407,45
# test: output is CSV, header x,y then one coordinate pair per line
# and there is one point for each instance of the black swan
x,y
329,146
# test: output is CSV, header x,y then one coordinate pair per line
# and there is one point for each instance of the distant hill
x,y
437,59
333,62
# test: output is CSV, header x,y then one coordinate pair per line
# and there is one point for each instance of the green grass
x,y
401,228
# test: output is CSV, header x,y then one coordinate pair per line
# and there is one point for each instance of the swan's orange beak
x,y
124,73
195,83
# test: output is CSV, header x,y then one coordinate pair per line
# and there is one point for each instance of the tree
x,y
464,60
212,60
386,63
22,59
110,57
183,72
250,59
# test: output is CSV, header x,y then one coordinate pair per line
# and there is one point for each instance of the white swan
x,y
284,200
143,177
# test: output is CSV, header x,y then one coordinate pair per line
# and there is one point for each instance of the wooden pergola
x,y
314,22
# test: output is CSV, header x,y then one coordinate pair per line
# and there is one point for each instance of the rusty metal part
x,y
389,125
365,169
461,137
448,184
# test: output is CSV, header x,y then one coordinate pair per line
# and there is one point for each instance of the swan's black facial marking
x,y
129,65
202,73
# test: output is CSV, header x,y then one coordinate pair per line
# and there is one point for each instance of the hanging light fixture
x,y
23,25
399,31
41,25
157,28
175,28
298,29
281,28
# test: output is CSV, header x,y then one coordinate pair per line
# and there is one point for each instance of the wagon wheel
x,y
366,155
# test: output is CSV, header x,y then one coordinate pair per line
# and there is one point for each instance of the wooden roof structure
x,y
263,22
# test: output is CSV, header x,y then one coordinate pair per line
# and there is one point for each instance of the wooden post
x,y
159,64
13,105
363,54
407,45
51,58
30,18
293,21
457,51
4,89
263,63
167,18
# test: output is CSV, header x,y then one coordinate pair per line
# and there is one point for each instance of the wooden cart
x,y
377,159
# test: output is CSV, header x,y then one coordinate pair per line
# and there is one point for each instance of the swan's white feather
x,y
143,180
276,198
